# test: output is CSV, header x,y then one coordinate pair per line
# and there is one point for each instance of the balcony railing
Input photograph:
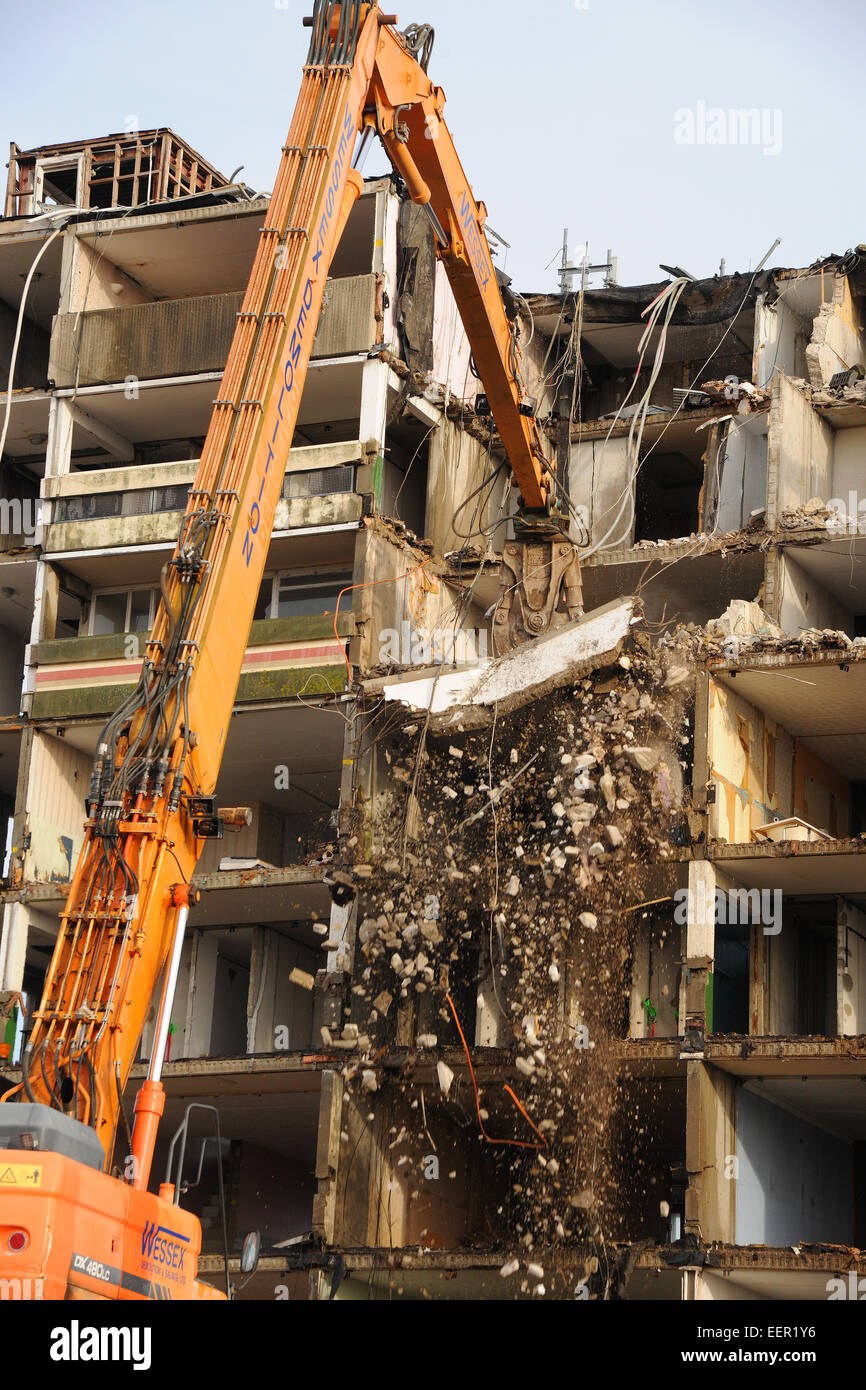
x,y
314,482
183,337
285,658
142,505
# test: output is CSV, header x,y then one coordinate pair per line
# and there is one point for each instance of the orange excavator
x,y
77,1218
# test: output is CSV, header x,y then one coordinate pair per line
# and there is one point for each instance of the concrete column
x,y
199,1005
379,233
58,453
13,946
71,292
385,259
342,933
759,994
700,945
699,952
328,1155
711,1154
374,403
850,969
774,462
773,584
640,986
45,604
257,1002
43,626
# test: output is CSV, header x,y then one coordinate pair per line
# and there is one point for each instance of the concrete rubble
x,y
539,870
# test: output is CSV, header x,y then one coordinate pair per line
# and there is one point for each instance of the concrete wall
x,y
780,343
795,1181
750,760
804,603
849,463
457,465
347,322
837,335
231,992
716,1288
95,282
416,596
385,259
275,1001
147,529
192,1010
274,1196
31,363
743,466
136,477
597,476
58,783
385,1202
793,978
821,794
710,1143
781,956
116,479
13,946
195,1007
657,976
145,340
182,336
800,452
294,513
451,351
851,970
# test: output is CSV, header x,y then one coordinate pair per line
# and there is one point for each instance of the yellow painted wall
x,y
821,795
751,761
761,772
59,783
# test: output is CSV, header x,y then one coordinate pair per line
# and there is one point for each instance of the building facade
x,y
375,1013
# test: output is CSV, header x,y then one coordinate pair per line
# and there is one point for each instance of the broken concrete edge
x,y
471,697
806,1258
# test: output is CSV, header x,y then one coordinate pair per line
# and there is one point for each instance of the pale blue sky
x,y
562,115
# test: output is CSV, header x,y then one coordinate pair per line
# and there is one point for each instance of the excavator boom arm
x,y
159,756
407,113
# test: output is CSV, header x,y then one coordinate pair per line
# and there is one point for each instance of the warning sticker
x,y
21,1175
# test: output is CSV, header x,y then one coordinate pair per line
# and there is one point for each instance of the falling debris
x,y
445,1076
302,978
519,883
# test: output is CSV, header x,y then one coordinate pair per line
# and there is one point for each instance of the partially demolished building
x,y
565,1000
